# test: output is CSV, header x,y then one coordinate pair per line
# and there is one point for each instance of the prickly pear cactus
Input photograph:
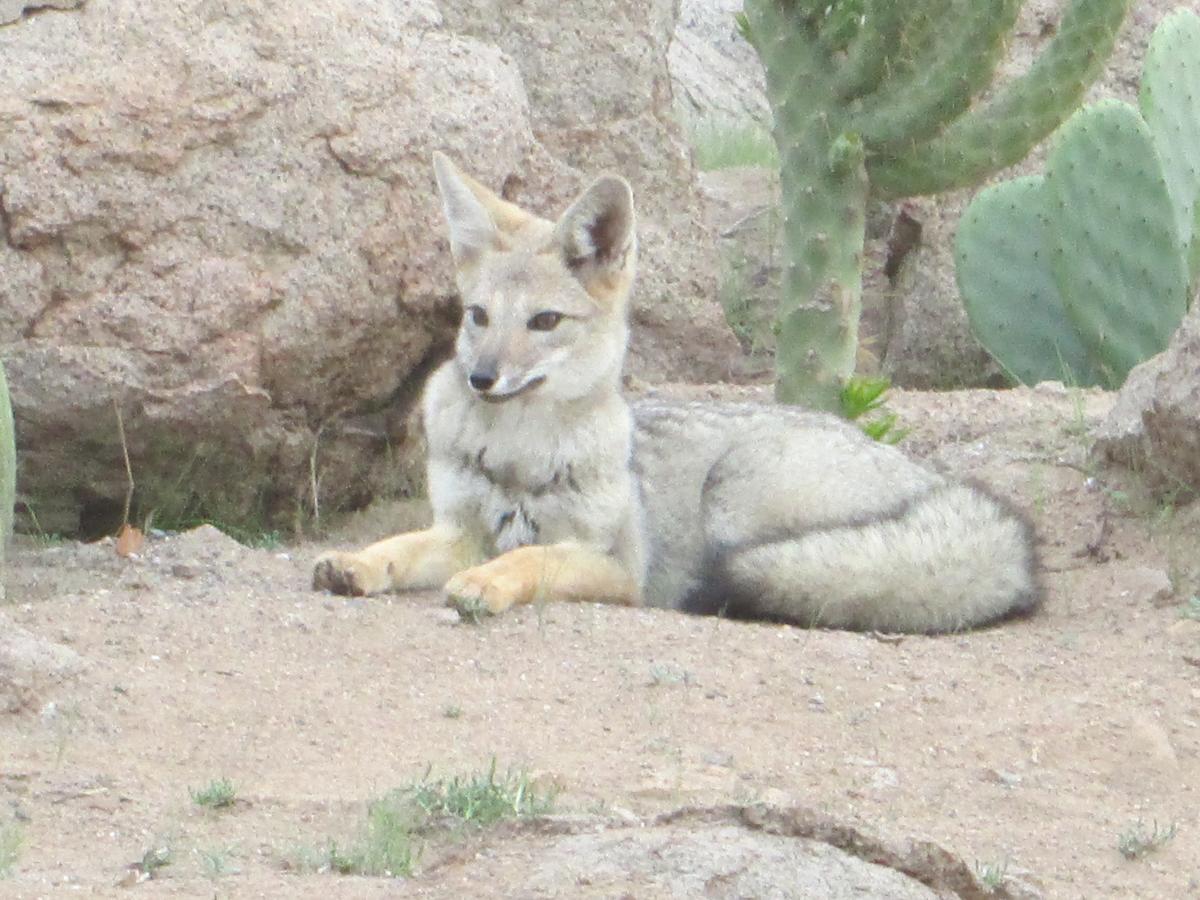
x,y
1082,274
874,97
1117,253
1011,296
1170,104
8,473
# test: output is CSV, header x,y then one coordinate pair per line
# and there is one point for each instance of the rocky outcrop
x,y
717,76
222,221
1154,427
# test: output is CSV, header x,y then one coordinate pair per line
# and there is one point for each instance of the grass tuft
x,y
1137,840
481,799
216,862
750,317
991,874
721,144
11,838
154,859
471,610
390,842
217,794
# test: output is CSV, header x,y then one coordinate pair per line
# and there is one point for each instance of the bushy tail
x,y
952,558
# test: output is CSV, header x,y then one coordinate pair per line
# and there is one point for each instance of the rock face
x,y
11,10
222,220
1154,426
717,74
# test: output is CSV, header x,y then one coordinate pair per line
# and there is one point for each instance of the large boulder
x,y
221,221
1154,426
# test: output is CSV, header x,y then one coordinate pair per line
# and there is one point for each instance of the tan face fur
x,y
544,304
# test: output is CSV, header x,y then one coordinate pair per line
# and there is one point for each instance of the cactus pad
x,y
1004,273
1170,104
874,97
1117,256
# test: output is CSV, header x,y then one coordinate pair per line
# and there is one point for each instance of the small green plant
x,y
217,794
722,144
862,395
390,843
216,862
8,473
991,874
452,711
11,838
738,305
471,610
261,540
154,859
327,858
1137,840
1191,608
481,799
668,673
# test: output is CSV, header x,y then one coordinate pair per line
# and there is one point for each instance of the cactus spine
x,y
8,473
873,97
1082,274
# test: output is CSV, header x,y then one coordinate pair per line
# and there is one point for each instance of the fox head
x,y
545,304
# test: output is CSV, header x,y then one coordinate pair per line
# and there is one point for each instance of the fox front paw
x,y
478,591
348,574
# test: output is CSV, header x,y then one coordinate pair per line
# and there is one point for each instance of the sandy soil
x,y
1031,746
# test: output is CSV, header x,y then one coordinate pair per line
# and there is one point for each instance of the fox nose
x,y
482,381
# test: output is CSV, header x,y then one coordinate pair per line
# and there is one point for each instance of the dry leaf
x,y
129,540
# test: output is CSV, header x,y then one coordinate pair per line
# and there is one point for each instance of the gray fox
x,y
546,484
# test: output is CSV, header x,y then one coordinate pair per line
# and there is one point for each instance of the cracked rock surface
x,y
221,220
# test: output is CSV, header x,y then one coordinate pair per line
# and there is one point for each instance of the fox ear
x,y
472,231
478,220
597,237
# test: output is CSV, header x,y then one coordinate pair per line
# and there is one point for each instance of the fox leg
x,y
417,559
566,571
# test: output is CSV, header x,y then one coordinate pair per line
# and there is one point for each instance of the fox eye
x,y
545,321
478,316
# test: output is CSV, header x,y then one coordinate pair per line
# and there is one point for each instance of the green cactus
x,y
8,473
1009,289
873,98
1082,274
1170,104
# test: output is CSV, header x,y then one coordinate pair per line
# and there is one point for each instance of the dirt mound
x,y
29,664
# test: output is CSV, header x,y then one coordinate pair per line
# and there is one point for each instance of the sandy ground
x,y
1031,746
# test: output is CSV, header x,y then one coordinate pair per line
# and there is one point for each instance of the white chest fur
x,y
524,472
